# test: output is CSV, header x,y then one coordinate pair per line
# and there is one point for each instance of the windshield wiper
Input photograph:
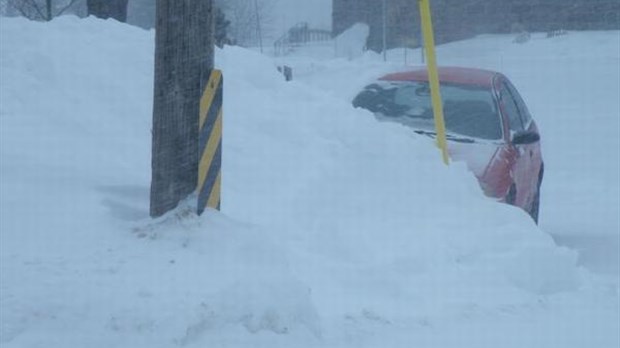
x,y
448,136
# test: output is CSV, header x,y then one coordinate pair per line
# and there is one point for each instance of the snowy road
x,y
598,253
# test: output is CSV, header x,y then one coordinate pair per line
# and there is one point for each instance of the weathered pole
x,y
184,41
433,77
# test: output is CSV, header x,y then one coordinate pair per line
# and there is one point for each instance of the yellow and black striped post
x,y
210,143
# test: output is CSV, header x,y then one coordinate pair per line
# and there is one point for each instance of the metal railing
x,y
300,34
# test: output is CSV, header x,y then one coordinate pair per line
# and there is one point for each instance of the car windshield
x,y
468,110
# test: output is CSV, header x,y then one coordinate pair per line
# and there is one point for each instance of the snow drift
x,y
335,230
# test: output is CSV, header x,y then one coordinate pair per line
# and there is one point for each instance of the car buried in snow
x,y
488,126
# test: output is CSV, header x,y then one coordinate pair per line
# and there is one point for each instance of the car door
x,y
521,155
532,150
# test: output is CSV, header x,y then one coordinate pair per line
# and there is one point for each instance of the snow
x,y
352,42
335,230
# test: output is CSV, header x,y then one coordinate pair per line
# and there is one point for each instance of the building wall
x,y
459,19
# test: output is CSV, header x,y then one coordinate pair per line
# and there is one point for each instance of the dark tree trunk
x,y
48,10
105,9
183,61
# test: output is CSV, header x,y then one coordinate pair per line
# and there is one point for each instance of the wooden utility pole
x,y
184,42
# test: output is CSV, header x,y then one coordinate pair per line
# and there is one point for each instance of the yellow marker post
x,y
210,143
433,77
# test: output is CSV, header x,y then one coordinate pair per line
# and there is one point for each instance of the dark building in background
x,y
460,19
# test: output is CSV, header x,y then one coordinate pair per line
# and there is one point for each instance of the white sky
x,y
289,12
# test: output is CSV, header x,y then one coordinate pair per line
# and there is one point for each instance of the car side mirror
x,y
525,137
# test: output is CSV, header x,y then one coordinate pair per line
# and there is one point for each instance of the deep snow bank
x,y
335,230
571,85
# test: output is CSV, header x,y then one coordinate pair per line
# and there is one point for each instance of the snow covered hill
x,y
571,84
335,230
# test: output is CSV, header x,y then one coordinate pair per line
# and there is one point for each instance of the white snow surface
x,y
335,231
352,42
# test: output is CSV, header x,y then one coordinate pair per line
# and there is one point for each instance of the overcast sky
x,y
289,12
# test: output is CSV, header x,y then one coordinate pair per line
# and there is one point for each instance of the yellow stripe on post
x,y
207,156
214,197
210,143
433,77
208,95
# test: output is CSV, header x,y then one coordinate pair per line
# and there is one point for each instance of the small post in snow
x,y
210,143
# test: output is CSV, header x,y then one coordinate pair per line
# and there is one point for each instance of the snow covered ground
x,y
571,86
335,230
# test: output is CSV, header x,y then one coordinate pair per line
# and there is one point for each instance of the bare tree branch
x,y
22,12
33,9
71,3
34,5
27,8
242,15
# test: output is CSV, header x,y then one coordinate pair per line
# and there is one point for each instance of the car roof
x,y
456,75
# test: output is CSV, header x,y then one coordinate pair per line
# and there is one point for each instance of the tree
x,y
249,19
141,13
221,28
183,61
105,9
39,10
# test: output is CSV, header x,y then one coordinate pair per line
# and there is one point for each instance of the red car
x,y
487,123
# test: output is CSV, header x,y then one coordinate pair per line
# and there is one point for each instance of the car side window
x,y
511,109
523,111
